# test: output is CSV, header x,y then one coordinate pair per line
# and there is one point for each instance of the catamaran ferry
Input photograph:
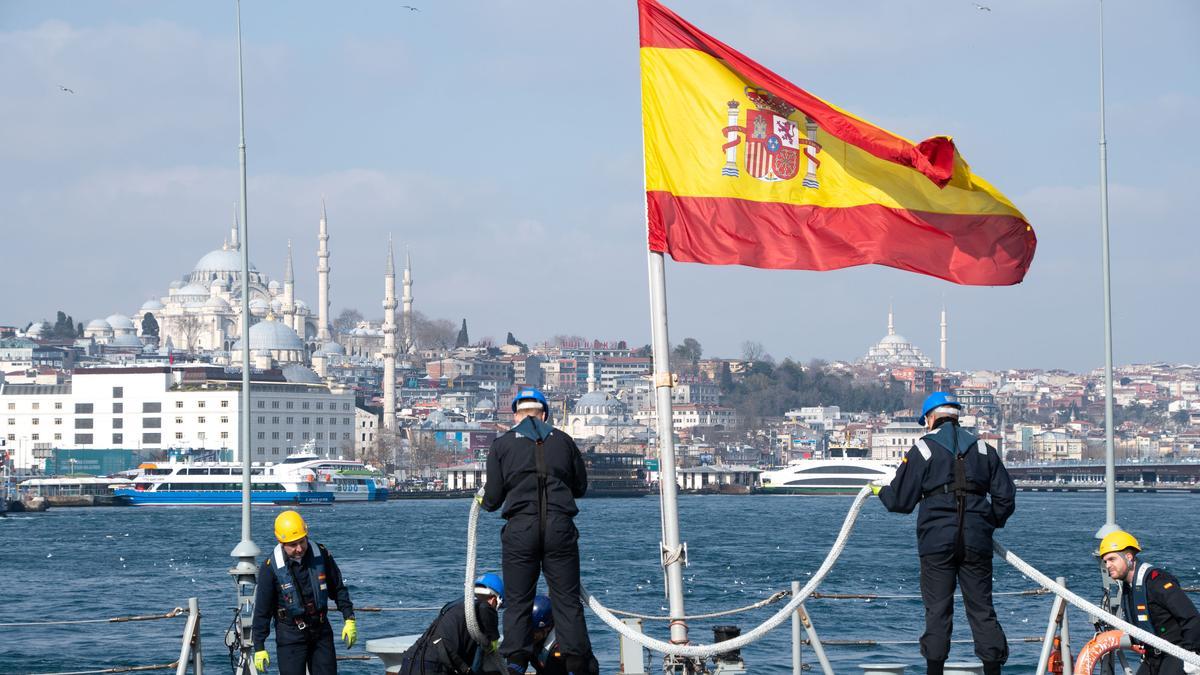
x,y
302,478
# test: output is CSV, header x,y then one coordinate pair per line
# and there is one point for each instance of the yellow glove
x,y
350,633
875,487
495,645
261,661
479,499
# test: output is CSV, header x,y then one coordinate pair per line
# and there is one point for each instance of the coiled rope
x,y
1095,612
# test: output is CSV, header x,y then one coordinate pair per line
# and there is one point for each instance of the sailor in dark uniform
x,y
536,473
447,647
964,493
1153,600
295,584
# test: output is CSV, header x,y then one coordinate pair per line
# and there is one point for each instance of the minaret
x,y
943,337
591,382
410,345
389,342
323,279
233,238
288,306
891,324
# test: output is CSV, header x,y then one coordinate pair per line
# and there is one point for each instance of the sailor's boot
x,y
992,667
935,667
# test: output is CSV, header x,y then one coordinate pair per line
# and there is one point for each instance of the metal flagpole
x,y
1110,467
672,551
245,552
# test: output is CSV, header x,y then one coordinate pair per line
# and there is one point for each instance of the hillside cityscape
x,y
416,396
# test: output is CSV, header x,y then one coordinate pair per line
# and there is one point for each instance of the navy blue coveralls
x,y
536,472
446,646
954,533
311,646
1156,603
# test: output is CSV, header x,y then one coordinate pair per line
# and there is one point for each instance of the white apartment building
x,y
894,440
155,408
366,430
689,416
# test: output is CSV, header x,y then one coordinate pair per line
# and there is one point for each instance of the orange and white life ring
x,y
1101,645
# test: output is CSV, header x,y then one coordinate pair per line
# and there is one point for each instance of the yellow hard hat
x,y
1114,542
289,527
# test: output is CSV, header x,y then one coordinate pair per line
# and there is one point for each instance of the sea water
x,y
104,562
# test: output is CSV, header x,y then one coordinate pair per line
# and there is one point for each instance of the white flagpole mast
x,y
246,552
672,550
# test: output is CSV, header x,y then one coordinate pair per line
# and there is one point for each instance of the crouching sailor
x,y
548,658
1152,600
295,584
446,646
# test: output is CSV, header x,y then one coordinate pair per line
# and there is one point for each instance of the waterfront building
x,y
186,406
894,440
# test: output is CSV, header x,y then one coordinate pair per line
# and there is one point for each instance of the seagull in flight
x,y
980,7
65,89
410,8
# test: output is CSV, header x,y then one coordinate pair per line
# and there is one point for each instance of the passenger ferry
x,y
302,478
842,474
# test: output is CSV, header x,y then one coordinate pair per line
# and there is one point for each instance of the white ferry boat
x,y
302,478
825,476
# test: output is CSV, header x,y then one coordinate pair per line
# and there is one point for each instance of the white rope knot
x,y
673,554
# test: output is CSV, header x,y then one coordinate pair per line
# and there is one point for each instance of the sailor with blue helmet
x,y
964,493
547,656
535,472
446,646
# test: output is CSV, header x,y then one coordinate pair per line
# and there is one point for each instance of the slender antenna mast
x,y
245,552
1110,462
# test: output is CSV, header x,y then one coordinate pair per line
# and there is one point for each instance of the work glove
x,y
261,660
350,633
876,485
479,499
494,646
1189,668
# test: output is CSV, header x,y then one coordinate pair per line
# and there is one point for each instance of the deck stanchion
x,y
813,640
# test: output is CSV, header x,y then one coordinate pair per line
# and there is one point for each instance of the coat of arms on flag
x,y
772,141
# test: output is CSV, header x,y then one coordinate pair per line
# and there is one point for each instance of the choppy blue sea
x,y
94,563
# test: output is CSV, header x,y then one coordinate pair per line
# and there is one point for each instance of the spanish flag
x,y
745,168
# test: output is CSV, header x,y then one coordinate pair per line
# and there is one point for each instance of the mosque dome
x,y
332,348
151,305
192,291
120,322
126,340
259,307
599,403
217,303
484,405
98,326
221,260
295,372
895,350
272,336
175,285
300,304
274,287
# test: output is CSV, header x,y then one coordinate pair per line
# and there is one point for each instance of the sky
x,y
499,142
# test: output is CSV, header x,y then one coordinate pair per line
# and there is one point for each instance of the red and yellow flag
x,y
745,168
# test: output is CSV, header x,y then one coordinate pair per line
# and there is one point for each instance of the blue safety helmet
x,y
543,615
530,394
936,400
492,582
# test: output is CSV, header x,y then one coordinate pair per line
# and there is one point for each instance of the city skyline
x,y
491,206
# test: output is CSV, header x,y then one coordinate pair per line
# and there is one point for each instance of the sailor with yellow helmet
x,y
1152,600
295,584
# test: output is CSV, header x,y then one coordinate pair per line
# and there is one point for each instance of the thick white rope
x,y
469,581
1095,612
785,613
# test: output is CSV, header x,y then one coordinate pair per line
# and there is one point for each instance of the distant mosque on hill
x,y
896,351
202,312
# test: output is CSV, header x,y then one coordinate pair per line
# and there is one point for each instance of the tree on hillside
x,y
463,339
346,320
432,333
64,326
511,340
79,329
149,325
